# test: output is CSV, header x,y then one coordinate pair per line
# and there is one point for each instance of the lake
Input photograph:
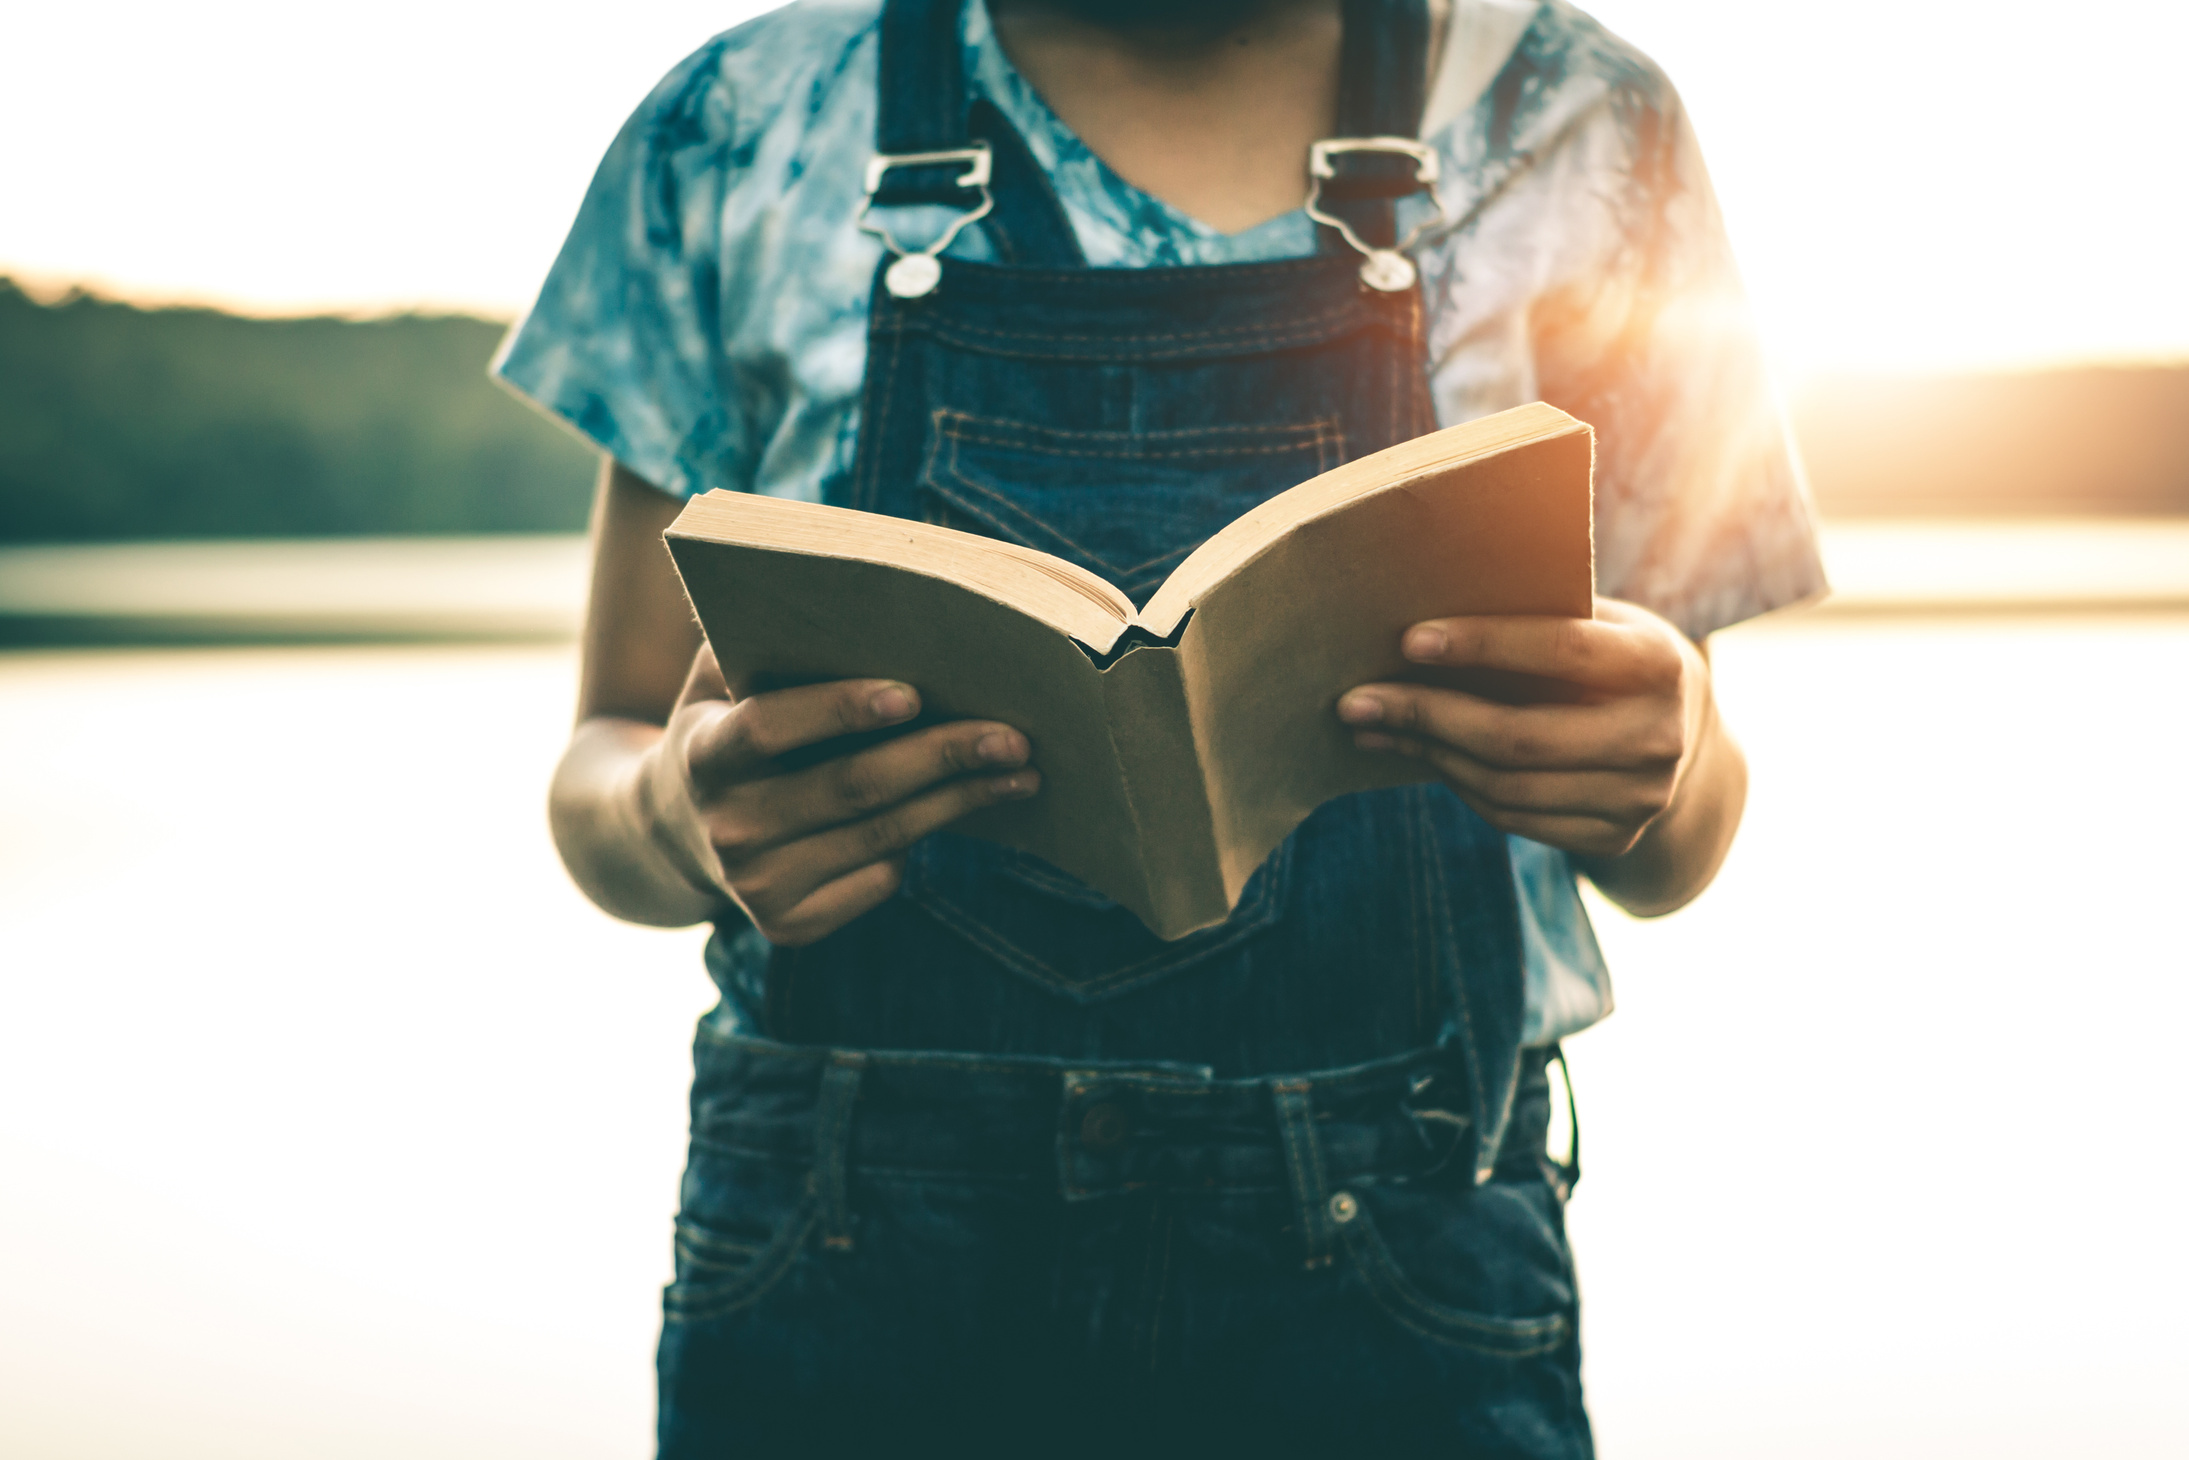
x,y
334,1123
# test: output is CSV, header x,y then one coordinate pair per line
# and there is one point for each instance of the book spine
x,y
1152,727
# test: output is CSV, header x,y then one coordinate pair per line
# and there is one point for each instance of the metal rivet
x,y
1386,270
1104,1127
1343,1208
917,274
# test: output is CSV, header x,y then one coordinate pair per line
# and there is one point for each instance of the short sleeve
x,y
622,342
1702,514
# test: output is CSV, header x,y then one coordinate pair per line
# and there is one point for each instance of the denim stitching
x,y
1309,436
1183,454
1246,920
1132,975
1309,1190
1162,1281
1440,910
871,432
947,419
1312,324
1276,269
1314,1146
1336,1081
1394,1292
1147,356
838,1095
771,1049
1420,868
768,1270
1007,529
703,1248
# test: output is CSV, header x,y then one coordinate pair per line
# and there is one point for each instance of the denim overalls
x,y
993,1163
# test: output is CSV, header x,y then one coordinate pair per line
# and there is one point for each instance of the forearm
x,y
1681,850
601,810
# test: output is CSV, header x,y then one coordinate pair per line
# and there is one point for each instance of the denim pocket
x,y
737,1236
1478,1270
1127,506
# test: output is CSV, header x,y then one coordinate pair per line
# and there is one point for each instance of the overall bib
x,y
993,1162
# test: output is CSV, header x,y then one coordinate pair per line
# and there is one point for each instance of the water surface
x,y
334,1123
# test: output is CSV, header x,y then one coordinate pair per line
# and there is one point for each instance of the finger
x,y
1620,651
780,879
761,727
833,904
784,808
1620,798
704,682
1629,733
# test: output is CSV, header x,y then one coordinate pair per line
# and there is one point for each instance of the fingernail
x,y
893,703
1426,641
1373,740
999,746
1360,709
1018,787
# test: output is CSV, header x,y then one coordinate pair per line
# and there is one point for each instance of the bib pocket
x,y
1127,506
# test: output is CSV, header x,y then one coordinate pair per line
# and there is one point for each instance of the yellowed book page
x,y
1061,594
1305,618
777,616
1255,531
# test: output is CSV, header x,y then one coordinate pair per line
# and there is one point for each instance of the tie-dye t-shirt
x,y
705,322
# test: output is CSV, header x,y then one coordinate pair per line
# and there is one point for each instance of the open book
x,y
1178,744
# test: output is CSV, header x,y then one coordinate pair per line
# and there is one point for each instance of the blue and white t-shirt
x,y
706,320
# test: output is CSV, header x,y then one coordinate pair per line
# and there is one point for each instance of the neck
x,y
1210,106
1155,25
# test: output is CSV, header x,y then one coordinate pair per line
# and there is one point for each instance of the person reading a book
x,y
977,1155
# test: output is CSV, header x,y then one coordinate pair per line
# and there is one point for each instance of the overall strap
x,y
1383,70
923,110
1383,87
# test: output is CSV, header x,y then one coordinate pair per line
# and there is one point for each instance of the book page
x,y
1058,593
1321,608
776,617
1255,531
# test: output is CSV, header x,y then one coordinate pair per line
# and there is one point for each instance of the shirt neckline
x,y
1061,153
1479,37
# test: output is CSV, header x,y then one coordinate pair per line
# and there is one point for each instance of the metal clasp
x,y
1385,269
917,271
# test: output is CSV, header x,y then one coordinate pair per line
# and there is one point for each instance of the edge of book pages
x,y
1067,597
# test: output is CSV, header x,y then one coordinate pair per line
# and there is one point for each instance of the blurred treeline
x,y
119,422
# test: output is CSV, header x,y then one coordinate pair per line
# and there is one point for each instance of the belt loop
x,y
1569,1170
1304,1161
832,1146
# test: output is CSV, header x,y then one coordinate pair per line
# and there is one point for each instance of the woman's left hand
x,y
1591,776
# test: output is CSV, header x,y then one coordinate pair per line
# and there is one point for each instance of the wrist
x,y
616,828
666,826
1680,851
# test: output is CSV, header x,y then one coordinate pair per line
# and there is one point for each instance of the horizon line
x,y
48,290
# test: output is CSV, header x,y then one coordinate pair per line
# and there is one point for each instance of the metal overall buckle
x,y
916,272
1387,270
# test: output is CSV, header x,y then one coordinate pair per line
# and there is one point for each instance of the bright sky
x,y
1930,183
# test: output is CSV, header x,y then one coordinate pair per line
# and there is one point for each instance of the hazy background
x,y
333,1122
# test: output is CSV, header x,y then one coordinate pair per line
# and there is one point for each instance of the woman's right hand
x,y
805,850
